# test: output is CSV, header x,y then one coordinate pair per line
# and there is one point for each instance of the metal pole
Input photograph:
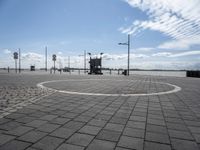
x,y
19,60
16,65
128,53
84,61
69,63
46,58
54,67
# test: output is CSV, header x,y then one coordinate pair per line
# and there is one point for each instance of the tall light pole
x,y
19,60
90,63
85,61
128,44
15,56
54,60
101,60
46,58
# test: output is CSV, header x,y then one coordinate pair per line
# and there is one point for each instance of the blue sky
x,y
164,34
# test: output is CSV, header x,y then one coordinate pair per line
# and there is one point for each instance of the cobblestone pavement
x,y
54,120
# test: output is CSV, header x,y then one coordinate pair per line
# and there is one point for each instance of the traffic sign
x,y
15,54
54,57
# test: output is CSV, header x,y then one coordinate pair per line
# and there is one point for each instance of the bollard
x,y
8,69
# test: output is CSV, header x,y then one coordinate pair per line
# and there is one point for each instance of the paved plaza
x,y
82,112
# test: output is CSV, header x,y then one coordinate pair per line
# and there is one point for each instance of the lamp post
x,y
15,56
128,44
101,60
90,61
54,60
19,60
46,58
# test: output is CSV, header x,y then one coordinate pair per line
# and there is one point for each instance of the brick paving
x,y
38,119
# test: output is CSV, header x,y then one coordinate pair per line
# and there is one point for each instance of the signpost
x,y
54,59
15,55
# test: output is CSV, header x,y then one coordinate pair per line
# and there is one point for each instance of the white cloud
x,y
182,54
185,54
123,56
162,54
145,49
180,44
177,19
6,51
33,57
60,53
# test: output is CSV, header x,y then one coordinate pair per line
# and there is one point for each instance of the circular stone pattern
x,y
107,87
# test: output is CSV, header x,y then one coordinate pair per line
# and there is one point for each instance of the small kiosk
x,y
95,66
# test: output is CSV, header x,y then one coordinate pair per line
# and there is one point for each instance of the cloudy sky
x,y
165,34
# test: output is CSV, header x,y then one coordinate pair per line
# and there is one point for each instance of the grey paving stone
x,y
156,146
69,147
134,124
83,118
120,148
48,117
178,144
62,133
93,130
194,129
108,135
4,120
156,122
36,123
118,120
74,125
15,116
157,129
5,138
101,145
176,126
48,127
70,115
197,137
137,118
130,142
97,122
26,119
10,125
157,137
114,127
15,145
134,132
31,148
48,143
180,134
103,117
19,130
32,136
60,120
80,139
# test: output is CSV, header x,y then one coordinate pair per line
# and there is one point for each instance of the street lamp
x,y
101,60
128,44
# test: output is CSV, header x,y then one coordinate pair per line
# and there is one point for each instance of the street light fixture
x,y
128,44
